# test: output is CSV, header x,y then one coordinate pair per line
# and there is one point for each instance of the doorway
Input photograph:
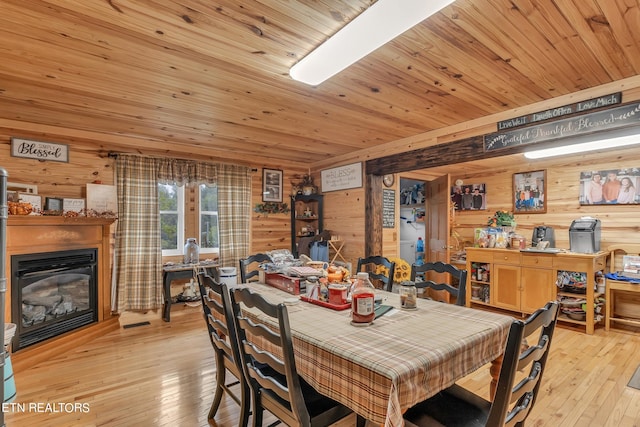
x,y
412,217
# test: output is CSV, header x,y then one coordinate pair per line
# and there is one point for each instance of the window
x,y
171,205
209,237
175,225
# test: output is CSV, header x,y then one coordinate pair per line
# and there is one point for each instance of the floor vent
x,y
135,325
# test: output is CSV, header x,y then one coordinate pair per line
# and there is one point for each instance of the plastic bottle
x,y
191,251
420,251
362,300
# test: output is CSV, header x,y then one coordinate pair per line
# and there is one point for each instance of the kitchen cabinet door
x,y
538,288
506,287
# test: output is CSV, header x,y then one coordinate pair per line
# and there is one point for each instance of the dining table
x,y
404,357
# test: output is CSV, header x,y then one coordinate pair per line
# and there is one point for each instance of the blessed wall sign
x,y
39,150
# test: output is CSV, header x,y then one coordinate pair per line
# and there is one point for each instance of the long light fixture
x,y
380,23
594,141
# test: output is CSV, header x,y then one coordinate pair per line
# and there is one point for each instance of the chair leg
x,y
360,421
220,382
257,409
245,407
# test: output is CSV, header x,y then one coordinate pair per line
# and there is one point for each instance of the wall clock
x,y
388,179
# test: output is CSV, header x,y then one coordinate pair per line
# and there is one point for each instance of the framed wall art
x,y
102,198
610,187
53,204
34,199
272,185
471,197
529,191
72,205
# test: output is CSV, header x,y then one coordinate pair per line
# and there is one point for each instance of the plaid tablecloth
x,y
404,357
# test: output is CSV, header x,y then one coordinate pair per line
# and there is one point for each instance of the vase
x,y
191,251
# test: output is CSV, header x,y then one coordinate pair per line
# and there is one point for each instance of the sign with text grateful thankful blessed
x,y
39,150
604,120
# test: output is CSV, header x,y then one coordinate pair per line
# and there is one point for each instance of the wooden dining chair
x,y
250,266
266,351
516,390
380,269
222,334
453,272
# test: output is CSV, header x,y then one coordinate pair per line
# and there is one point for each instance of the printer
x,y
584,235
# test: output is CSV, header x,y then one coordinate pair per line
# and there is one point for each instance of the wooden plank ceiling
x,y
189,77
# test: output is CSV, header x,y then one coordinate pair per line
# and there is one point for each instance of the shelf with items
x,y
306,218
576,300
523,282
480,282
576,277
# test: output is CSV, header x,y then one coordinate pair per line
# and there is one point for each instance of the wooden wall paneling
x,y
619,224
57,179
272,231
344,215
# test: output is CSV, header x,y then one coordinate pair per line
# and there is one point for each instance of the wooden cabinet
x,y
523,282
306,218
505,287
537,288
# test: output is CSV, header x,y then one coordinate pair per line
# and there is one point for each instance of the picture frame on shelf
x,y
34,200
102,198
13,196
73,205
272,185
53,204
22,188
529,191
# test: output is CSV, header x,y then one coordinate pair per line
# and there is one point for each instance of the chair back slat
x,y
250,267
513,401
216,306
447,270
527,384
267,354
372,265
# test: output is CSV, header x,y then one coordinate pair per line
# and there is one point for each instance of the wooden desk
x,y
176,272
405,357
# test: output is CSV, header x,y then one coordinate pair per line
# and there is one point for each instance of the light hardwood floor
x,y
163,375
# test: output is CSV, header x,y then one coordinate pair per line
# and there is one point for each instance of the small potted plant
x,y
502,218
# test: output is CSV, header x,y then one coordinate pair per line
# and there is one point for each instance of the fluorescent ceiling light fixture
x,y
595,141
380,23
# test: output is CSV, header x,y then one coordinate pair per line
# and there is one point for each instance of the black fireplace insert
x,y
52,293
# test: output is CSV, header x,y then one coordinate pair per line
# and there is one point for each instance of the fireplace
x,y
53,293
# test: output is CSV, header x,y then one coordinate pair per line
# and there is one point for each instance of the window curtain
x,y
234,213
138,257
138,251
